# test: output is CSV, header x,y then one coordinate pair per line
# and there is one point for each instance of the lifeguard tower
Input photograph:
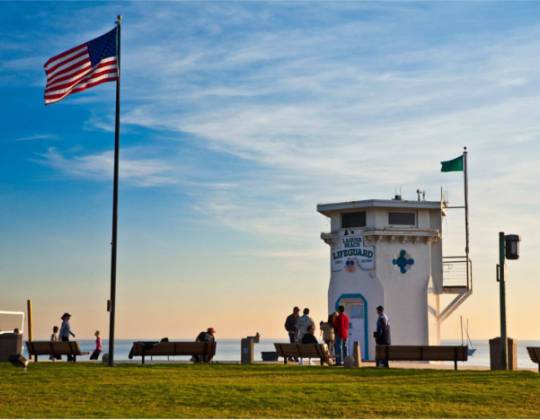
x,y
389,253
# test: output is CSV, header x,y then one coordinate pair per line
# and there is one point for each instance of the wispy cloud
x,y
335,102
36,137
141,172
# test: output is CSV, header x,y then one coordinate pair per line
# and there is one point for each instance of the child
x,y
54,338
95,354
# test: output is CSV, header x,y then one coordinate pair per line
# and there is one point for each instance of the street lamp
x,y
508,249
512,246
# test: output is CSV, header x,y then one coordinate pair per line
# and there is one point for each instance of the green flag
x,y
454,165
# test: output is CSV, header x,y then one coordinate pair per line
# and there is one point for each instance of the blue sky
x,y
237,119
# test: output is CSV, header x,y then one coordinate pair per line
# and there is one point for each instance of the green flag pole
x,y
459,164
466,192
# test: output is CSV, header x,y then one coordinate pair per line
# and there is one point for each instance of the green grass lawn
x,y
93,390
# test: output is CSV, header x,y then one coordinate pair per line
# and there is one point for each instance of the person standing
x,y
382,334
99,347
54,339
291,324
327,331
303,324
341,329
65,332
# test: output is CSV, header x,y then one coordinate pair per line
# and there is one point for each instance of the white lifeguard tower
x,y
389,253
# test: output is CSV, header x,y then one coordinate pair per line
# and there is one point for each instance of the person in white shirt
x,y
303,324
54,338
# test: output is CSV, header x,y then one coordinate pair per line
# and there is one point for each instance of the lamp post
x,y
508,249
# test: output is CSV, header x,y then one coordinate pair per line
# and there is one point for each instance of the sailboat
x,y
471,348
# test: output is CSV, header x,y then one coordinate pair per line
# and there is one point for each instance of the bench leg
x,y
35,358
143,359
455,364
285,360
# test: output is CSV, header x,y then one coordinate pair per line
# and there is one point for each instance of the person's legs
x,y
330,346
338,349
95,355
344,345
69,357
292,339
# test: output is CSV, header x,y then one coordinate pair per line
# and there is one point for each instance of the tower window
x,y
395,218
356,219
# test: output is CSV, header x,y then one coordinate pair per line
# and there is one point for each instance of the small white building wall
x,y
423,219
435,222
411,299
335,223
405,294
369,286
434,309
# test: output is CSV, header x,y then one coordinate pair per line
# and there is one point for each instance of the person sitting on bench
x,y
309,336
207,336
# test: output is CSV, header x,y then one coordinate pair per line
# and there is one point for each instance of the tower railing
x,y
457,279
457,272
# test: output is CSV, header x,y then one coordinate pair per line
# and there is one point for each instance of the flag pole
x,y
112,301
466,192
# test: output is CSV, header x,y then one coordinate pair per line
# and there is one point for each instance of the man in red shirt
x,y
341,328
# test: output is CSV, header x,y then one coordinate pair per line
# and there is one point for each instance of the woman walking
x,y
65,332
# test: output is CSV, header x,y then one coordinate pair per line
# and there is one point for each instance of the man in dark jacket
x,y
291,324
292,327
382,333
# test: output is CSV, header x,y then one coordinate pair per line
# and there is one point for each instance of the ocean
x,y
229,350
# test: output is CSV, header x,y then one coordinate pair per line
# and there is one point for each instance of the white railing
x,y
457,272
21,314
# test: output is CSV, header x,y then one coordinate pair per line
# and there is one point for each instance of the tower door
x,y
355,308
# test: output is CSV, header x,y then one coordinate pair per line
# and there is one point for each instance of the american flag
x,y
82,67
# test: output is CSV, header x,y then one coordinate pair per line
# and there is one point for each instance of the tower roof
x,y
331,208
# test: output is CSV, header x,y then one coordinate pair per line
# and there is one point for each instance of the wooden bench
x,y
422,353
205,350
54,348
534,354
309,351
